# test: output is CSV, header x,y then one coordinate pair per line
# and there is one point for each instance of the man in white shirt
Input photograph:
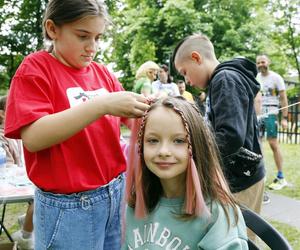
x,y
272,94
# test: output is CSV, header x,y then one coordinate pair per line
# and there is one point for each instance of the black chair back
x,y
265,231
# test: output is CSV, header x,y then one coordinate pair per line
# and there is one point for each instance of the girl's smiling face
x,y
166,149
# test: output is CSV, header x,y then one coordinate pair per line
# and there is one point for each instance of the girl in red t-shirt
x,y
66,108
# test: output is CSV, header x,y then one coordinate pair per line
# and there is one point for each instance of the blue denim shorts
x,y
84,221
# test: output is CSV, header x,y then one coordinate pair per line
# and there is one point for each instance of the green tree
x,y
287,32
149,30
20,34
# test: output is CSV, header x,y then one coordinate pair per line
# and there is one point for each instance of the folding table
x,y
15,188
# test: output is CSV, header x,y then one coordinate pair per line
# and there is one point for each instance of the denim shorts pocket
x,y
53,219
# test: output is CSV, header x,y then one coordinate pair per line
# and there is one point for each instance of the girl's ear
x,y
51,29
196,57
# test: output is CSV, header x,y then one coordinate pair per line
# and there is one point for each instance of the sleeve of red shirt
x,y
28,100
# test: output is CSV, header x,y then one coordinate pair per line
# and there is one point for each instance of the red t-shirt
x,y
91,158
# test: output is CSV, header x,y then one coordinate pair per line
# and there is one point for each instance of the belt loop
x,y
85,202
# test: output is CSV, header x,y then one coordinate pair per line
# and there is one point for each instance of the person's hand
x,y
259,118
151,98
125,104
284,123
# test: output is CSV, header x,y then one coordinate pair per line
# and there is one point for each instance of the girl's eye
x,y
179,141
152,140
82,37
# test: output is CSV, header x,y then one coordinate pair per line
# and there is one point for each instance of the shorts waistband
x,y
81,199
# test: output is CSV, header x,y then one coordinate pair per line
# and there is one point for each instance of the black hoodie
x,y
232,89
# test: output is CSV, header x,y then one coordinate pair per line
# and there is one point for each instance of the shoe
x,y
21,220
278,184
266,199
23,244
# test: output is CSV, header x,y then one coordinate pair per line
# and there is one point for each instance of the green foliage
x,y
149,30
293,92
286,34
141,54
20,34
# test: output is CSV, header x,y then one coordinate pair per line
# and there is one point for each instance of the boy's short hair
x,y
181,82
195,42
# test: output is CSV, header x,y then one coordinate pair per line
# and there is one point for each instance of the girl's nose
x,y
164,151
91,46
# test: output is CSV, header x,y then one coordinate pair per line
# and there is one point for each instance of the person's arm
x,y
229,107
58,127
6,147
284,103
258,104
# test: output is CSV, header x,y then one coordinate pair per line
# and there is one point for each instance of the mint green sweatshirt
x,y
162,229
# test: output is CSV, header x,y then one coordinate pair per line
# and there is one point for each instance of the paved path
x,y
282,209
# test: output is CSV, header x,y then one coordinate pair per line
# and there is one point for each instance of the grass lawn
x,y
291,168
11,217
291,155
291,234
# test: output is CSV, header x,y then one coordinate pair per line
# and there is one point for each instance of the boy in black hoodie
x,y
230,111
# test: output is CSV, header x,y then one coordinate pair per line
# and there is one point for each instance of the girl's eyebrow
x,y
174,135
82,30
180,134
150,133
88,32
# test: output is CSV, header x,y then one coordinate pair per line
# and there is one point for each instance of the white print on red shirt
x,y
77,95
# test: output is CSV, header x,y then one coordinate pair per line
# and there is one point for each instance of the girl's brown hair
x,y
67,11
166,69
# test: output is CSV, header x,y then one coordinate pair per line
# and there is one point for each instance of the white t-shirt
x,y
270,87
169,89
